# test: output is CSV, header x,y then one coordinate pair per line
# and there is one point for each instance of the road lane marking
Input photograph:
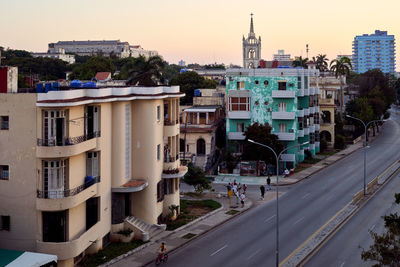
x,y
306,195
372,228
341,265
218,250
270,218
299,220
252,255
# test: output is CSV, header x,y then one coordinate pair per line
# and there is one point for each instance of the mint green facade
x,y
283,109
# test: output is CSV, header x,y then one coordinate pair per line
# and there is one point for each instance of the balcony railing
x,y
171,159
168,122
69,192
69,141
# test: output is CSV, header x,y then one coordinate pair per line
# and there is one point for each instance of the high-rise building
x,y
79,165
374,51
251,48
280,97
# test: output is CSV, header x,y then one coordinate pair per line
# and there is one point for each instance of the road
x,y
249,240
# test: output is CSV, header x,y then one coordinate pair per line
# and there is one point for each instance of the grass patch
x,y
300,168
194,194
311,161
110,252
187,215
188,236
328,153
232,212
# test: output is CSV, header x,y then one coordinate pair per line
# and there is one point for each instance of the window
x,y
266,82
239,104
305,82
158,151
300,121
240,127
239,85
158,113
92,211
281,85
282,107
160,191
282,127
5,223
168,186
55,178
256,82
92,164
4,172
4,123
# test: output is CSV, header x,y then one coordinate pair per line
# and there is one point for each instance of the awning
x,y
134,185
13,258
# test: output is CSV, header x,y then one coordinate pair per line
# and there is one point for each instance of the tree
x,y
300,62
386,248
188,81
261,134
146,72
196,177
341,67
89,69
321,62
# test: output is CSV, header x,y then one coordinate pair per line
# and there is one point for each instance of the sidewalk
x,y
174,239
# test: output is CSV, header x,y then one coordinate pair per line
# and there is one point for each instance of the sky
x,y
201,31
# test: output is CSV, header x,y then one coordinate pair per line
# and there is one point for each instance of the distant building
x,y
182,63
106,48
59,54
374,51
251,49
281,56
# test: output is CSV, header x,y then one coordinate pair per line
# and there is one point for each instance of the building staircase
x,y
143,230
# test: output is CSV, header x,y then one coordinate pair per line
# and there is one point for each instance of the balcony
x,y
171,162
312,128
300,113
283,94
70,249
54,200
316,109
171,128
300,133
283,136
236,136
306,112
312,146
306,131
306,92
316,127
300,92
327,101
311,90
283,115
175,173
47,148
288,157
311,110
239,114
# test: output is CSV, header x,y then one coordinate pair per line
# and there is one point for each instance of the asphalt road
x,y
249,240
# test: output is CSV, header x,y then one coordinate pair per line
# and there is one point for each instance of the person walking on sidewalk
x,y
268,183
262,190
242,197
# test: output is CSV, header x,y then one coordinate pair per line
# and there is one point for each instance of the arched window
x,y
201,147
251,53
325,135
181,145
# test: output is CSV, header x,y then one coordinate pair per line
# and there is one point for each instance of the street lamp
x,y
277,190
365,146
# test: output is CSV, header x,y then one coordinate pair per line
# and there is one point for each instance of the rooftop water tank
x,y
76,83
89,85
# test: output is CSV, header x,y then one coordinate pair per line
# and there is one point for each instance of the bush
x,y
340,141
386,115
323,145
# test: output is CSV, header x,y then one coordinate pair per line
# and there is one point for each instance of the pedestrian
x,y
236,193
268,183
242,197
244,188
262,190
239,188
286,172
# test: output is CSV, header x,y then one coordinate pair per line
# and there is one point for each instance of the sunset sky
x,y
202,31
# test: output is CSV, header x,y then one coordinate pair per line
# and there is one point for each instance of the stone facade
x,y
251,48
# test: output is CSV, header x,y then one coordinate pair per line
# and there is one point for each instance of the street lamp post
x,y
277,190
365,147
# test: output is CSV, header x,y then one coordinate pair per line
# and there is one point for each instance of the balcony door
x,y
54,226
92,119
54,178
54,127
92,164
282,107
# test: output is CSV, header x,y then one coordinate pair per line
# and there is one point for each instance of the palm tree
x,y
146,72
300,62
321,62
341,67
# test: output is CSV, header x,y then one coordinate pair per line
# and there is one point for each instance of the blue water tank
x,y
89,85
39,88
47,87
76,83
56,86
197,92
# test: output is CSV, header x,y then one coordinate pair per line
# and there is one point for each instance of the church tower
x,y
251,48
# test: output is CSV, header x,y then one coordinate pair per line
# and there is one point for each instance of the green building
x,y
280,97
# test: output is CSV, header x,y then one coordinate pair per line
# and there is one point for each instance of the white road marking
x,y
270,218
306,195
299,220
252,255
372,228
218,250
341,265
